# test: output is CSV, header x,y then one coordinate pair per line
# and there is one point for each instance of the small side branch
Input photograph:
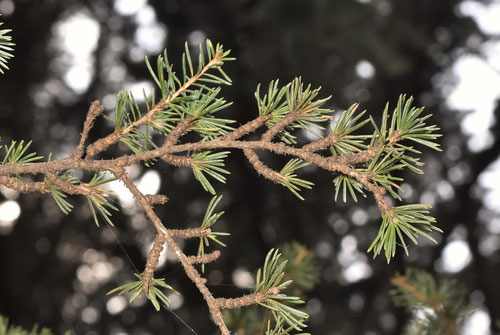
x,y
359,157
260,167
141,198
204,259
154,199
22,185
322,143
247,128
95,109
102,144
180,129
177,161
246,300
189,233
153,258
288,119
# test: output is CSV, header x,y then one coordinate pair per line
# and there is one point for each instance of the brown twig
x,y
206,258
23,185
260,167
95,109
155,199
180,129
322,143
189,269
189,232
246,300
247,128
152,261
177,161
280,125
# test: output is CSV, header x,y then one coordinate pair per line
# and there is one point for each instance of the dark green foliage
x,y
301,267
169,82
344,183
272,101
280,328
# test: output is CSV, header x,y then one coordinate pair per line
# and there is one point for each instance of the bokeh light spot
x,y
116,304
9,211
365,69
478,323
150,182
242,278
456,256
128,7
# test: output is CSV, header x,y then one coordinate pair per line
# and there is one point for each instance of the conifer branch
x,y
401,282
189,269
441,303
360,164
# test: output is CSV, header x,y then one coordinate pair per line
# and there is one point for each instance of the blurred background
x,y
55,269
